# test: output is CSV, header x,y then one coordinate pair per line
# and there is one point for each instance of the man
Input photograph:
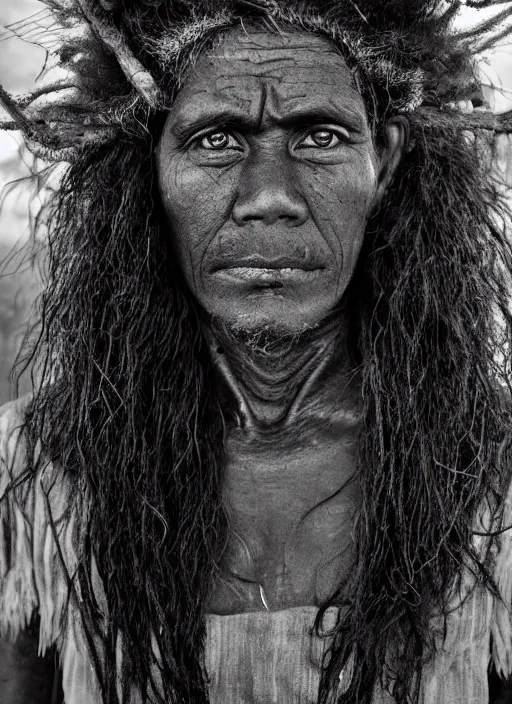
x,y
267,457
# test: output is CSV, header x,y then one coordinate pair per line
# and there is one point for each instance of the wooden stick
x,y
471,121
14,111
132,68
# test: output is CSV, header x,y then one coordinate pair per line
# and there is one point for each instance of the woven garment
x,y
251,658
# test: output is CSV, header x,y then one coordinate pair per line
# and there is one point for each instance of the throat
x,y
272,377
293,408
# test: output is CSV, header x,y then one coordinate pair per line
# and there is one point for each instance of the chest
x,y
291,508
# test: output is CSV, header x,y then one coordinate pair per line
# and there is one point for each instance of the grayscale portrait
x,y
266,457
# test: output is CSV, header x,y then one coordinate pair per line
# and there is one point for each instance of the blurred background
x,y
20,63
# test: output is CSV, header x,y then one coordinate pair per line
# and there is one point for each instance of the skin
x,y
248,190
268,174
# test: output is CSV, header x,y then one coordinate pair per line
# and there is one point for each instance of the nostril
x,y
269,218
248,218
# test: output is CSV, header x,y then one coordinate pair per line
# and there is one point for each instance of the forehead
x,y
289,69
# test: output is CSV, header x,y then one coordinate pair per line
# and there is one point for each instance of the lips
x,y
258,261
265,277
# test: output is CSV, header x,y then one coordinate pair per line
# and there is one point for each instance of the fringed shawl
x,y
37,559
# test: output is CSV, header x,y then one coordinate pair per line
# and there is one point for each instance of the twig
x,y
14,111
473,121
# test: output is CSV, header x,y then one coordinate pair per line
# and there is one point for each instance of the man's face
x,y
268,175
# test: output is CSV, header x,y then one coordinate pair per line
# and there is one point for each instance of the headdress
x,y
120,61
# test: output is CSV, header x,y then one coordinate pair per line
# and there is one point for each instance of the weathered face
x,y
268,175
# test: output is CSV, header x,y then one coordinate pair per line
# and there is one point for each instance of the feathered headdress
x,y
120,60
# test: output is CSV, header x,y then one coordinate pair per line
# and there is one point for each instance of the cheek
x,y
341,200
197,203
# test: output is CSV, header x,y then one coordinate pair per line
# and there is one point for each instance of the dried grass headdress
x,y
120,60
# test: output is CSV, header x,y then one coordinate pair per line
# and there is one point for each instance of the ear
x,y
396,136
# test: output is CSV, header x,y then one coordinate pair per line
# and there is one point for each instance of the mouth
x,y
258,261
267,276
268,273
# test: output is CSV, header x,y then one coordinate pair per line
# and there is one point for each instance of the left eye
x,y
219,140
321,139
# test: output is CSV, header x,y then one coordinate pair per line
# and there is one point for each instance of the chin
x,y
278,318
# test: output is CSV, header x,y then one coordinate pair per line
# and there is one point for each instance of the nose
x,y
267,193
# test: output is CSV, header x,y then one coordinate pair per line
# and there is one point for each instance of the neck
x,y
273,378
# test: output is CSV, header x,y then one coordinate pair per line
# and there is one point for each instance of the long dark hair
x,y
127,405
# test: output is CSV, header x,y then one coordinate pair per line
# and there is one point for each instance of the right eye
x,y
219,140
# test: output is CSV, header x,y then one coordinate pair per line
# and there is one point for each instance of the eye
x,y
219,140
323,139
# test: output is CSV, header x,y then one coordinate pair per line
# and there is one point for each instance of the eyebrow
x,y
301,117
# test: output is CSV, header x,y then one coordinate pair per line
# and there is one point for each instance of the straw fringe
x,y
18,600
79,681
501,627
38,561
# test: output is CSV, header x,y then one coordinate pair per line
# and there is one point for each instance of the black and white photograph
x,y
255,352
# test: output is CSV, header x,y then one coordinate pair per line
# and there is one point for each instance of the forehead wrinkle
x,y
259,47
264,40
270,70
220,105
267,105
223,82
274,83
279,108
236,64
271,55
